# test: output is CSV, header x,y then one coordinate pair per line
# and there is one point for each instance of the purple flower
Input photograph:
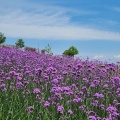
x,y
60,109
75,100
107,119
70,112
65,73
2,85
79,100
46,104
111,109
101,95
92,85
8,78
4,90
97,95
115,114
98,118
115,102
86,80
19,85
81,93
82,108
19,78
36,91
105,86
55,81
30,109
118,95
102,107
92,118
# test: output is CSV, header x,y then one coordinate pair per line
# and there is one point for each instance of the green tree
x,y
2,38
20,43
71,51
48,49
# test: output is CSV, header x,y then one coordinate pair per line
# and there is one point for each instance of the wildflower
x,y
38,70
118,95
105,86
2,85
107,119
19,85
92,85
95,104
102,107
98,118
81,93
8,78
75,100
82,108
55,81
92,118
30,109
4,90
115,102
70,112
19,78
60,109
97,95
65,73
86,80
79,100
111,109
36,91
46,104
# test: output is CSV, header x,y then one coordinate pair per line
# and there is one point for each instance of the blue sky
x,y
92,26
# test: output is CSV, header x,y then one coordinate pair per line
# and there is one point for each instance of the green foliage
x,y
20,43
48,49
2,38
71,51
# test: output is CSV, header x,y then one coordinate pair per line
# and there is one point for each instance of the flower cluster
x,y
59,87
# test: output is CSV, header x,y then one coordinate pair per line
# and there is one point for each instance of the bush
x,y
71,51
30,49
2,38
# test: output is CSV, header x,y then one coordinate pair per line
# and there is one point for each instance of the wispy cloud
x,y
117,56
104,21
117,9
98,57
57,32
47,23
37,17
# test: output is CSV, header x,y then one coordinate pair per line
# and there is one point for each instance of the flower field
x,y
36,86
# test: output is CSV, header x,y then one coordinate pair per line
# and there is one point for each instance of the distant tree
x,y
29,49
43,51
20,43
71,51
2,38
48,49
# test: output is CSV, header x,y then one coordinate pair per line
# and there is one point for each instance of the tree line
x,y
20,44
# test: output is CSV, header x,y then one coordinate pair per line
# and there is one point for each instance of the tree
x,y
71,51
2,38
20,43
48,49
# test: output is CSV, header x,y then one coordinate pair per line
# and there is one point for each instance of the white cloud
x,y
117,9
37,17
47,23
117,56
56,32
98,57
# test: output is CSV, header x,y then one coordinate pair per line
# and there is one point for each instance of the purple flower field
x,y
36,86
